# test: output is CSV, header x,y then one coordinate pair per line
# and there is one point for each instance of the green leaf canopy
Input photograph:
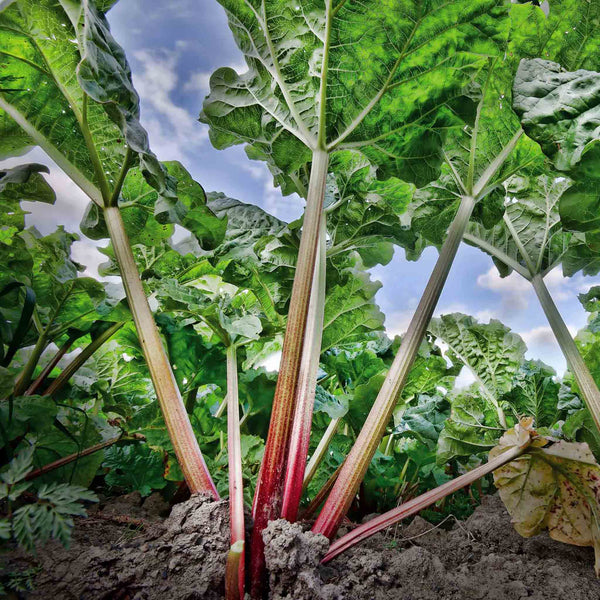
x,y
341,74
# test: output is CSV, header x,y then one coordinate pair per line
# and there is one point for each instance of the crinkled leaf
x,y
580,427
559,109
491,351
365,215
423,418
350,310
335,406
533,211
535,393
470,152
565,31
138,200
473,427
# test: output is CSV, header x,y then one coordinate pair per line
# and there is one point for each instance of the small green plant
x,y
35,515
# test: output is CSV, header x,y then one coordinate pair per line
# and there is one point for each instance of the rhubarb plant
x,y
326,78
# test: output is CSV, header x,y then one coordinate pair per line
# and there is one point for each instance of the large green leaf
x,y
477,162
535,393
473,427
566,31
64,67
490,351
559,109
363,214
350,310
138,200
349,75
531,239
423,419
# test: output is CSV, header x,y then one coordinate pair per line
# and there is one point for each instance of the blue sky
x,y
173,48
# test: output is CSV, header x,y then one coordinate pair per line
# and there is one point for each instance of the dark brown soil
x,y
125,551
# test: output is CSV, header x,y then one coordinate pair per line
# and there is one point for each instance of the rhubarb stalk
x,y
176,419
235,568
268,496
362,452
412,507
307,383
585,381
81,358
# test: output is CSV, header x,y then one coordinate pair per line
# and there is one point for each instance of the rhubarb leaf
x,y
350,310
365,76
559,109
473,427
138,201
71,71
535,393
365,215
566,31
555,488
490,351
531,239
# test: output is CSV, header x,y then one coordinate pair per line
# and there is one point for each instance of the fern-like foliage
x,y
48,516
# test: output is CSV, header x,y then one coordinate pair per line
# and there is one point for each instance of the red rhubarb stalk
x,y
269,488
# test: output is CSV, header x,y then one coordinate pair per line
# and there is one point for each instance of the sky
x,y
173,48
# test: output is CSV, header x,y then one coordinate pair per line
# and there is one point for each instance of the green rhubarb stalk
x,y
583,378
414,506
368,440
307,384
362,452
81,358
176,419
41,378
319,453
269,487
235,567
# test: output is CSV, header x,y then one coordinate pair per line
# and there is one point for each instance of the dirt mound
x,y
482,558
135,555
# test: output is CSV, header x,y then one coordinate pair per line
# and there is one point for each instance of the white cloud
x,y
514,289
539,336
174,131
396,323
198,82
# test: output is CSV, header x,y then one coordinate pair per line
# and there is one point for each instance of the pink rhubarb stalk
x,y
269,487
412,507
307,383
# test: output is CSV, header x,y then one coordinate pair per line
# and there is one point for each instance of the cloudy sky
x,y
173,48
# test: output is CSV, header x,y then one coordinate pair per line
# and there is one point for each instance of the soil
x,y
126,550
